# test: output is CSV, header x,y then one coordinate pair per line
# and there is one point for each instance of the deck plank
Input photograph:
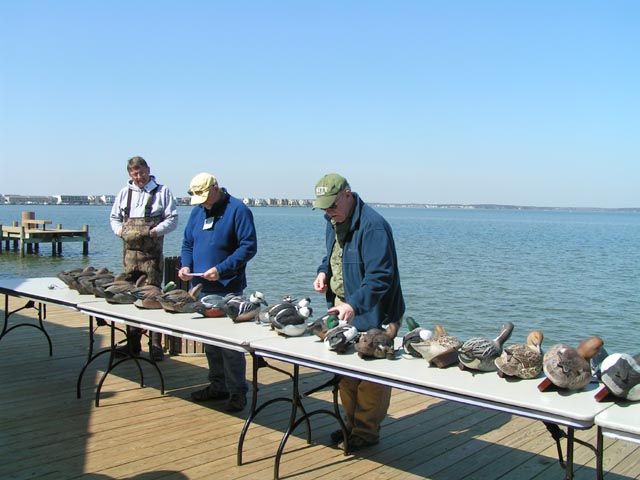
x,y
136,433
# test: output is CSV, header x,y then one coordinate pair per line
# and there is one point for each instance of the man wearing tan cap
x,y
360,278
219,240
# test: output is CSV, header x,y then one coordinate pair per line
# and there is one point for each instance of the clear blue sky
x,y
510,102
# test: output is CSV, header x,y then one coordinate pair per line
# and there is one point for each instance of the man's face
x,y
139,176
339,211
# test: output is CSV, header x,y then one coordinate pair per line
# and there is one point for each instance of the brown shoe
x,y
357,443
337,437
236,402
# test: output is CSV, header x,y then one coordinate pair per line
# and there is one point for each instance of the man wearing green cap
x,y
360,278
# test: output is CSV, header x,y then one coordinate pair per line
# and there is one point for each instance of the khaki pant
x,y
365,405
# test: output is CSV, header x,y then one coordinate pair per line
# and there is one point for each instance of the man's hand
x,y
344,311
185,274
212,274
320,283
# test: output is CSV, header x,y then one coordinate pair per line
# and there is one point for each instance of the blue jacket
x,y
228,245
369,269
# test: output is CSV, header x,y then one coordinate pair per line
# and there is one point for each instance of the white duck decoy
x,y
292,321
340,338
479,353
241,309
522,360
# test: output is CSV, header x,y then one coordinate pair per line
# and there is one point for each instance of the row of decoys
x,y
564,367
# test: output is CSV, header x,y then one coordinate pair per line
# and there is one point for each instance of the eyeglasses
x,y
191,193
335,202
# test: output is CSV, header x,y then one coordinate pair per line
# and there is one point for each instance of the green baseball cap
x,y
328,188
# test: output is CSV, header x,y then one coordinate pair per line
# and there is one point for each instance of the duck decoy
x,y
213,306
292,321
100,284
120,292
265,316
568,367
241,309
441,349
322,325
620,374
376,343
340,338
522,360
85,282
416,334
181,301
147,295
69,277
479,353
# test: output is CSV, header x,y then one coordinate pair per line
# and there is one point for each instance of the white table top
x,y
214,331
621,421
50,290
520,397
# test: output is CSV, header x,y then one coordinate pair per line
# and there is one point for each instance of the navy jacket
x,y
369,269
228,245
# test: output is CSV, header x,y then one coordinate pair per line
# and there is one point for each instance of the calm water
x,y
571,274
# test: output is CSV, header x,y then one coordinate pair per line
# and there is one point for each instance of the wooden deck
x,y
46,433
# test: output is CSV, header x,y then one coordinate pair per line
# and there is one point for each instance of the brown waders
x,y
142,255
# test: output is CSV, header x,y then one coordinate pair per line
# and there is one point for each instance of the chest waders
x,y
142,255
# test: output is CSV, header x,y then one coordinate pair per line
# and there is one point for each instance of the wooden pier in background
x,y
28,236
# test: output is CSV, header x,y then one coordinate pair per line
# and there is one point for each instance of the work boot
x,y
157,352
236,402
133,345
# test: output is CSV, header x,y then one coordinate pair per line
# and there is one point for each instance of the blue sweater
x,y
369,269
228,245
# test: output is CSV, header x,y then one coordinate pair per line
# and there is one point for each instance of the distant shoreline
x,y
442,206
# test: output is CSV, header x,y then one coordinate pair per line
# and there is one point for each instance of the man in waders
x,y
359,275
143,213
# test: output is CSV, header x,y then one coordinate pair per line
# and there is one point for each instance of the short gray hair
x,y
134,162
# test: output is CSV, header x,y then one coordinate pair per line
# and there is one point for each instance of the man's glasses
x,y
335,202
191,193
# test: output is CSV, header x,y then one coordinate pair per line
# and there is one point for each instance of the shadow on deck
x,y
46,433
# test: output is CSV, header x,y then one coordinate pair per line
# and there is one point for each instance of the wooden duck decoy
x,y
441,349
67,275
292,321
620,374
214,306
568,367
377,343
147,295
240,309
479,353
340,338
181,301
522,360
70,277
416,334
265,316
85,282
120,291
102,283
322,325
